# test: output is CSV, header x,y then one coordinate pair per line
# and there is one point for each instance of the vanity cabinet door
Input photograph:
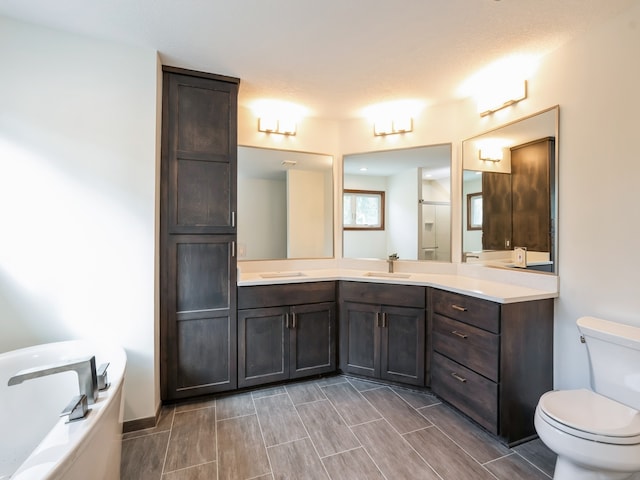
x,y
312,339
403,345
360,339
263,345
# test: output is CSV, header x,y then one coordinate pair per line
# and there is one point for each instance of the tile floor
x,y
332,428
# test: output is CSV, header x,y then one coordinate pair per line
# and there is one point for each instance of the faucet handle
x,y
77,408
103,381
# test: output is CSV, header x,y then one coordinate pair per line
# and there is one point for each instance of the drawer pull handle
x,y
459,308
459,334
458,377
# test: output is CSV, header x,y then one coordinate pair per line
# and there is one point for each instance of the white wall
x,y
402,214
77,197
306,218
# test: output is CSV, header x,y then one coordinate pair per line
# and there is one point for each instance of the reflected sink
x,y
282,275
387,275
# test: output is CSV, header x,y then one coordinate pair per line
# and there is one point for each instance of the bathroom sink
x,y
282,275
387,275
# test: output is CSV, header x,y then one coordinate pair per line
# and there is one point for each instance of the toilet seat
x,y
580,413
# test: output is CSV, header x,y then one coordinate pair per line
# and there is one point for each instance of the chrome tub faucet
x,y
85,368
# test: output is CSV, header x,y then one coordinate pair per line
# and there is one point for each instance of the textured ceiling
x,y
334,57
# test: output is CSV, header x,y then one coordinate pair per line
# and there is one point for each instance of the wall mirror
x,y
285,204
510,188
417,203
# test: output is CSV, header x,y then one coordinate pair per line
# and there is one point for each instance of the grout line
x,y
288,442
315,449
339,453
264,443
531,463
215,419
237,416
166,451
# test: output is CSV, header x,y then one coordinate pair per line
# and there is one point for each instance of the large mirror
x,y
285,204
510,188
398,202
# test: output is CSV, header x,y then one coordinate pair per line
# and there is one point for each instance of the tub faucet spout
x,y
85,368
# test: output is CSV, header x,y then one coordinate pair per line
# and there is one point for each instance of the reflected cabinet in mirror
x,y
285,204
509,194
398,202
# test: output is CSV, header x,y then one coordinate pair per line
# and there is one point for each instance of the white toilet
x,y
596,434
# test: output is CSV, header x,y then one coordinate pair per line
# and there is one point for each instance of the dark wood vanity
x,y
490,360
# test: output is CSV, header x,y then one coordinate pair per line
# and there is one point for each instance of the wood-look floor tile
x,y
193,439
398,413
305,392
207,471
241,451
165,419
514,467
352,465
296,461
143,457
269,391
328,432
235,406
194,404
279,420
445,457
475,441
350,404
539,454
416,399
392,454
333,380
363,385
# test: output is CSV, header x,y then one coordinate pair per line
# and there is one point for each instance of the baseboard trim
x,y
141,423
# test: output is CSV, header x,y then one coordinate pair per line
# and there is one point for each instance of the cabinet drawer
x,y
469,392
474,311
383,294
472,347
259,296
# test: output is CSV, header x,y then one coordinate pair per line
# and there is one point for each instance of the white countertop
x,y
488,289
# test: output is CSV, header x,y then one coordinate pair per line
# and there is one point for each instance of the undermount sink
x,y
282,275
387,275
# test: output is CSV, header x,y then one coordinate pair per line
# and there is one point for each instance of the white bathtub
x,y
35,443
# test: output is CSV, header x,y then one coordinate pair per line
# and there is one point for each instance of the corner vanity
x,y
484,347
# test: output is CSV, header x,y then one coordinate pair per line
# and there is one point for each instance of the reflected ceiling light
x,y
492,149
489,155
276,116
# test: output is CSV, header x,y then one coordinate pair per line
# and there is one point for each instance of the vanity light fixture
x,y
502,95
273,125
390,127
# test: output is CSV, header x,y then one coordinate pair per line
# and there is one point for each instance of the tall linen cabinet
x,y
198,332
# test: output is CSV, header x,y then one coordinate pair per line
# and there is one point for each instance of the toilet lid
x,y
583,410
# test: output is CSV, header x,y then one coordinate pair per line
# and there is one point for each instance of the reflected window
x,y
474,207
363,210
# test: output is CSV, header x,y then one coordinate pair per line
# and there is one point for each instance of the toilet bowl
x,y
594,437
596,433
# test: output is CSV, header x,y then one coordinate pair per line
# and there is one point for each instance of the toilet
x,y
596,433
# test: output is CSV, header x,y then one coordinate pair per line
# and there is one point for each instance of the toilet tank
x,y
614,359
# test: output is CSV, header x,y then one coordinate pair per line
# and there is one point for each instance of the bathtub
x,y
35,442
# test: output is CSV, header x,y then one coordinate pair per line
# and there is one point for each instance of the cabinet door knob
x,y
459,308
459,334
458,377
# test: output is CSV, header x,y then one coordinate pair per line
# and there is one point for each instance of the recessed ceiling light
x,y
363,169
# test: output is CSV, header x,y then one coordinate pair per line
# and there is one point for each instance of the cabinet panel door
x,y
263,348
198,319
312,339
199,154
403,345
360,339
